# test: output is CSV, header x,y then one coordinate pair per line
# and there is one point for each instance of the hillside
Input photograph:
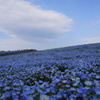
x,y
68,73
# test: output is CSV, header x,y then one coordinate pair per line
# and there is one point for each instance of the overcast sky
x,y
46,24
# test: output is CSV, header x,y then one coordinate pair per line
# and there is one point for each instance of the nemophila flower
x,y
71,98
10,76
59,95
67,86
42,85
97,77
56,80
87,88
23,97
44,97
84,94
53,90
6,88
42,90
16,84
83,76
17,92
21,83
77,79
61,90
25,87
27,92
48,90
15,97
51,98
13,92
64,81
40,81
79,90
95,98
30,97
1,84
88,83
72,89
5,95
65,95
78,95
96,82
97,91
76,84
17,88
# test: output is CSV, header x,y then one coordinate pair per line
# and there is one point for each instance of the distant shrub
x,y
5,53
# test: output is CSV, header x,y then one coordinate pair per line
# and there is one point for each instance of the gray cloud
x,y
21,19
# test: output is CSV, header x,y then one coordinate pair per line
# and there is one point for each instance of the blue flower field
x,y
69,73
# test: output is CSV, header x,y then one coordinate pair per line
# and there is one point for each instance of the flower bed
x,y
71,73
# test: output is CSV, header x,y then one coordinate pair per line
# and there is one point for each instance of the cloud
x,y
91,40
15,44
23,20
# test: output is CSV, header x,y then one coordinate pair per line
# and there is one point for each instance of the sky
x,y
47,24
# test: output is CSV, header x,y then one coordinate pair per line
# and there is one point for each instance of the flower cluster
x,y
71,73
